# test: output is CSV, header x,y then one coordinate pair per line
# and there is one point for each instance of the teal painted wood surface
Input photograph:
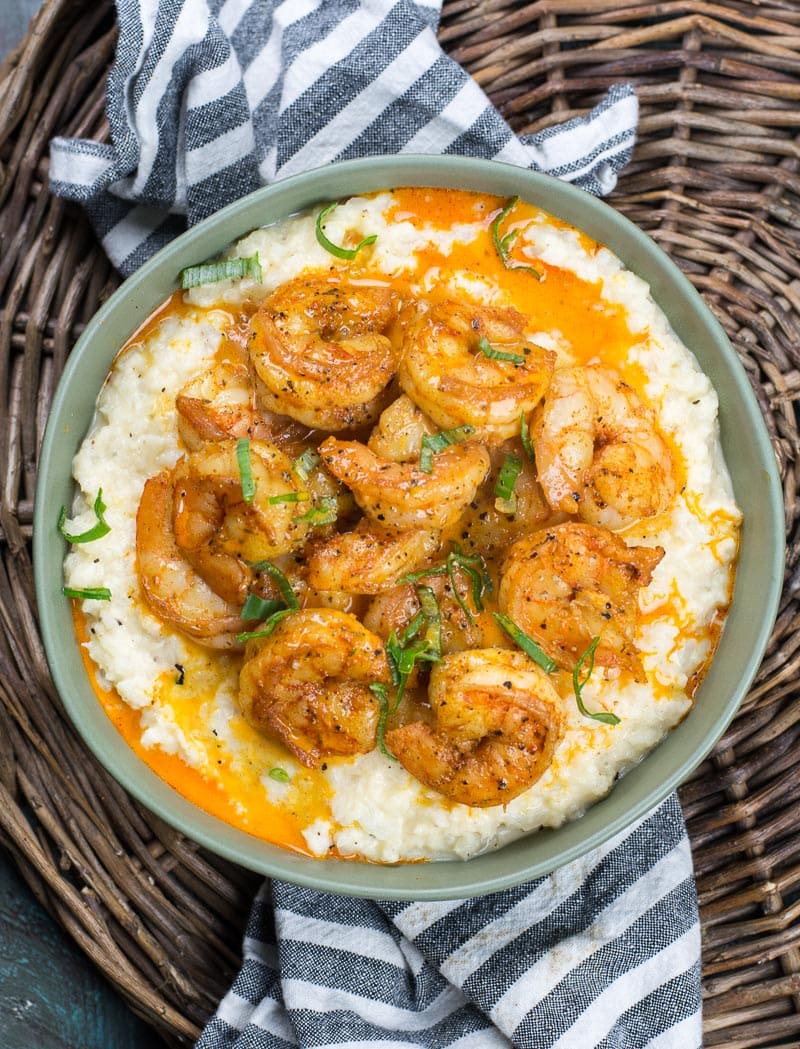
x,y
51,995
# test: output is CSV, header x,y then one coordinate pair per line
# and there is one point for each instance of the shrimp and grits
x,y
403,530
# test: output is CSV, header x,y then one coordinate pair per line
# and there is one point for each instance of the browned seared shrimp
x,y
400,495
307,684
598,450
497,720
472,364
319,348
171,586
218,531
369,559
573,582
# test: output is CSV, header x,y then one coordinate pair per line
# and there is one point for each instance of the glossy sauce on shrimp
x,y
406,499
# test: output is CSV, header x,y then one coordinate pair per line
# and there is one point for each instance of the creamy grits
x,y
455,564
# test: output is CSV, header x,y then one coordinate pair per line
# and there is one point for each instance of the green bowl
x,y
747,451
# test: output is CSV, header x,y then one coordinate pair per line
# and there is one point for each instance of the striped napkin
x,y
208,100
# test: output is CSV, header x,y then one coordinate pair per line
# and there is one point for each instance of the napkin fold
x,y
603,952
206,101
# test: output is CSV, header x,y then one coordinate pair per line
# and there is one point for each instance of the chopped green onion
x,y
502,244
324,513
245,469
91,593
577,684
381,694
279,775
256,607
505,484
473,566
288,497
97,531
433,443
413,628
414,577
525,437
211,272
406,650
527,644
488,350
284,586
476,571
335,249
432,638
268,626
305,464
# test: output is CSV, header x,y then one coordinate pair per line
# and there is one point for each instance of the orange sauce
x,y
250,811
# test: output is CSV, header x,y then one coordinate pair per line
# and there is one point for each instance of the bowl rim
x,y
531,856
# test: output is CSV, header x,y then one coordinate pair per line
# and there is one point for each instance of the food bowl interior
x,y
747,451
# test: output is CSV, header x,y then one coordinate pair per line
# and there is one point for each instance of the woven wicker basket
x,y
715,181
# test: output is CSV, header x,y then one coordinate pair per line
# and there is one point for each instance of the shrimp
x,y
394,609
171,586
369,559
217,531
444,368
318,348
566,585
218,404
598,451
496,722
488,525
399,431
307,684
221,403
400,495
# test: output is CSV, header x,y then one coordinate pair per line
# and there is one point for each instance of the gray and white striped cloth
x,y
604,952
208,100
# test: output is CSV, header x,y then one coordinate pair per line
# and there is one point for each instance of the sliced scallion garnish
x,y
433,443
211,272
525,438
577,684
283,584
527,644
324,513
89,593
97,531
260,608
267,627
432,637
336,249
488,350
288,497
502,244
279,775
305,464
380,692
472,566
245,469
506,497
